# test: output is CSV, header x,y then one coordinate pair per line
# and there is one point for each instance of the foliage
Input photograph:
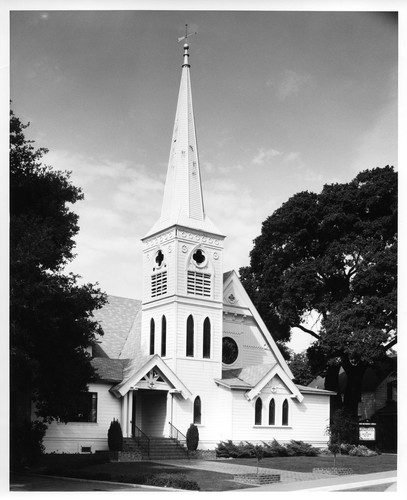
x,y
361,451
333,255
27,441
299,448
51,320
343,427
192,437
115,436
301,369
228,449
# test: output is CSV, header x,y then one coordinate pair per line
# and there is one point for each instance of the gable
x,y
141,372
242,320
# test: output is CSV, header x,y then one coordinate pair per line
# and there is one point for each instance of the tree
x,y
333,254
51,321
301,369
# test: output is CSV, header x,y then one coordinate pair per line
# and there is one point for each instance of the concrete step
x,y
160,448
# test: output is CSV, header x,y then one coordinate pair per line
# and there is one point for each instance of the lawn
x,y
360,465
92,467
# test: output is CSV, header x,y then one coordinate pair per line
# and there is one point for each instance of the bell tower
x,y
182,264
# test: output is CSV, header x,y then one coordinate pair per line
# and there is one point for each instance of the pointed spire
x,y
183,199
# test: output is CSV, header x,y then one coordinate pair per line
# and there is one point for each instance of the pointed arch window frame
x,y
197,411
189,344
163,336
285,413
206,340
258,410
152,336
272,412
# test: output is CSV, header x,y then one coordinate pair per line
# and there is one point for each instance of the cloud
x,y
290,83
263,155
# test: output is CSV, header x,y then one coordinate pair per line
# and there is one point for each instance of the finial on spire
x,y
186,46
186,34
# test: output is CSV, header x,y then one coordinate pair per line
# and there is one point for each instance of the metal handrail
x,y
177,435
142,440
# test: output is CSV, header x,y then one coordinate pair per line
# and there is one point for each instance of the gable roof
x,y
137,368
120,319
255,378
232,276
109,370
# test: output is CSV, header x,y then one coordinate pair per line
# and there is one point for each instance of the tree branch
x,y
306,330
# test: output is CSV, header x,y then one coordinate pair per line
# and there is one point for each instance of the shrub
x,y
115,436
245,450
192,437
299,448
173,481
345,448
227,449
361,451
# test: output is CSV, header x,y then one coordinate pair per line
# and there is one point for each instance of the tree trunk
x,y
332,384
353,391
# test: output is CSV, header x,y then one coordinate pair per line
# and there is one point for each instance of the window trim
x,y
206,339
152,336
189,344
258,410
197,411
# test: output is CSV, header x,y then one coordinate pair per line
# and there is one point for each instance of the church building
x,y
195,349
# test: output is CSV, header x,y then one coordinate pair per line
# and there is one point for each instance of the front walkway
x,y
291,480
287,476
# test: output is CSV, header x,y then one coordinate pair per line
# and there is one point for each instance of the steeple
x,y
183,203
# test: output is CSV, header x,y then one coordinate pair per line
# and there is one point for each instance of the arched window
x,y
206,338
190,336
272,412
163,336
197,410
285,413
152,336
257,413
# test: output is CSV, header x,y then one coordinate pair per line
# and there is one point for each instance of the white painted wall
x,y
70,437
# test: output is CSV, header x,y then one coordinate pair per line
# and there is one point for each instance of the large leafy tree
x,y
51,321
332,255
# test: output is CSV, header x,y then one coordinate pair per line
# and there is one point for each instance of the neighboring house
x,y
378,402
195,349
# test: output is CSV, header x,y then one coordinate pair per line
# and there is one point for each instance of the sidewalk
x,y
292,481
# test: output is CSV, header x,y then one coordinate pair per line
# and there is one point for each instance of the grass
x,y
93,467
360,465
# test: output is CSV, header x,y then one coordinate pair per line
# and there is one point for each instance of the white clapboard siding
x,y
307,420
70,437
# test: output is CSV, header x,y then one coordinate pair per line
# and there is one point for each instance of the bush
x,y
345,448
361,451
192,437
299,448
115,436
227,449
172,481
343,427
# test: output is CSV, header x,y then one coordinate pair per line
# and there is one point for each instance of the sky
x,y
284,101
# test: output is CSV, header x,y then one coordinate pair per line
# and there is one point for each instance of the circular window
x,y
230,351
